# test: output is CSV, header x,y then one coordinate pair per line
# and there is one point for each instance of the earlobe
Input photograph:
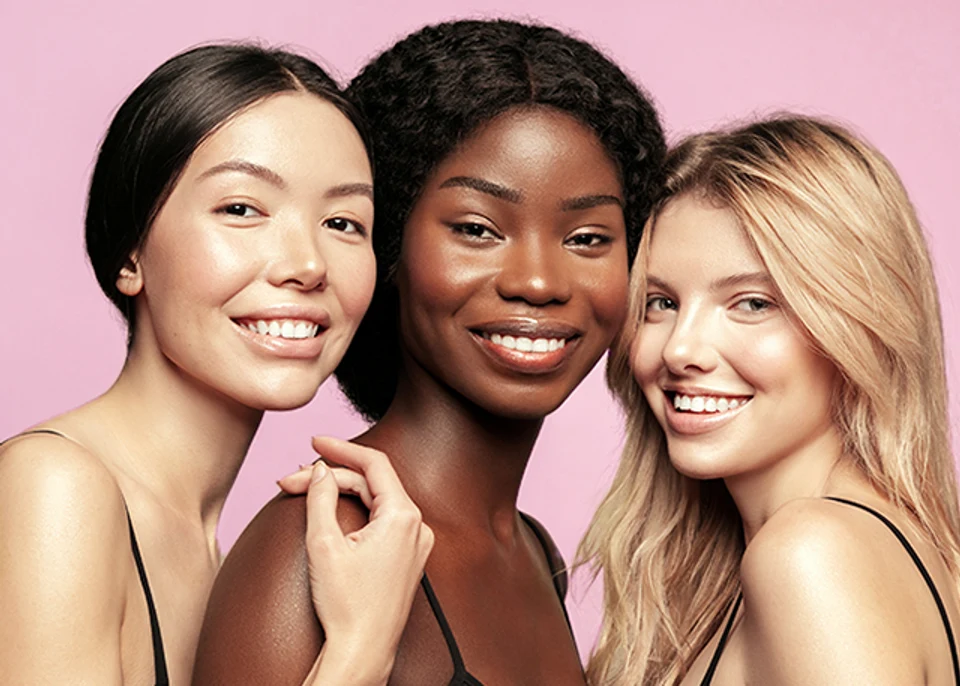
x,y
130,278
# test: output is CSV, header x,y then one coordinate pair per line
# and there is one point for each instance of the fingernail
x,y
319,471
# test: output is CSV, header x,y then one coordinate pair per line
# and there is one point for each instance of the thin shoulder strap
x,y
458,666
558,570
923,572
715,660
52,432
159,658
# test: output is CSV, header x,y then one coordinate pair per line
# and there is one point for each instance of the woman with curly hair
x,y
785,511
515,168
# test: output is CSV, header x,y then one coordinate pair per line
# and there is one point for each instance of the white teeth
x,y
285,328
525,344
706,404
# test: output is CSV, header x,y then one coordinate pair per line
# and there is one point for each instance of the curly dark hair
x,y
428,93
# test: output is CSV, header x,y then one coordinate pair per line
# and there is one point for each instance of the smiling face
x,y
259,266
513,275
728,374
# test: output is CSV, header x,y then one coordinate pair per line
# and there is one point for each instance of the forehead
x,y
289,132
535,149
693,238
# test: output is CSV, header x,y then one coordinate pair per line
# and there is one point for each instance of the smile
x,y
281,328
525,344
707,404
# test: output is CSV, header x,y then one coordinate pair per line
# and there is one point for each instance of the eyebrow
x,y
348,189
484,186
720,284
245,167
585,202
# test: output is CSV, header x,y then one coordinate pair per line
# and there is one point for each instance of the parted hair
x,y
832,223
161,123
428,93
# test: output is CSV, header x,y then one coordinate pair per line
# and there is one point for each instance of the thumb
x,y
322,498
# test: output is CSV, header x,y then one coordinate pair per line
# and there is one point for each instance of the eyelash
x,y
765,304
226,209
357,226
593,240
474,230
667,302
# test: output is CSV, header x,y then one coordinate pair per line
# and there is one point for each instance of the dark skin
x,y
520,233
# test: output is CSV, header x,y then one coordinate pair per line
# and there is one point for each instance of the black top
x,y
708,677
461,677
159,660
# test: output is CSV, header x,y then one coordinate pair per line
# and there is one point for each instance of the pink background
x,y
891,71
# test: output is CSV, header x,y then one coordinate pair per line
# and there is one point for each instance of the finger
x,y
298,482
322,497
383,482
349,481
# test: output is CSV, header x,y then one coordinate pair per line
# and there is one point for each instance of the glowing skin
x,y
754,397
520,272
259,266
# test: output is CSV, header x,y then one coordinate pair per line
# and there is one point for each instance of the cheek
x,y
353,278
608,292
199,265
646,355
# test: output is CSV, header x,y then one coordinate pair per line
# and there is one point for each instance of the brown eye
x,y
345,225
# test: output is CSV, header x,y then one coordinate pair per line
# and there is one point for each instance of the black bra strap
x,y
923,572
444,625
715,660
159,659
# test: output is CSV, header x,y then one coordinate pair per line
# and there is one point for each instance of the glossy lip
x,y
288,348
695,423
527,362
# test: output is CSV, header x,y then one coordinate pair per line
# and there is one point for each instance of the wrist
x,y
347,663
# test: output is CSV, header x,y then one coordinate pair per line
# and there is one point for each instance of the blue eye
x,y
753,305
345,225
659,303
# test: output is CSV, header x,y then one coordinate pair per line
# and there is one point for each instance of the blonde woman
x,y
786,509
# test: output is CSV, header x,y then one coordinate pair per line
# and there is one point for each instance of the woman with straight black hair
x,y
515,167
229,219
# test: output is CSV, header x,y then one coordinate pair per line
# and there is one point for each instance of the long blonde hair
x,y
832,223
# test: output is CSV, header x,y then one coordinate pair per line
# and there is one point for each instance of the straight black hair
x,y
156,130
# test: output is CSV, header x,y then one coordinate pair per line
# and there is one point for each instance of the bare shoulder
x,y
823,599
260,625
65,558
56,483
558,567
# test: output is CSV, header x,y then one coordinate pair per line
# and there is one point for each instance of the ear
x,y
130,279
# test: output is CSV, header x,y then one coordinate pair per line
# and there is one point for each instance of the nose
x,y
690,347
299,260
534,271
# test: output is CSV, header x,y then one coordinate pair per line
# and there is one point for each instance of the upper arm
x,y
819,607
63,565
260,626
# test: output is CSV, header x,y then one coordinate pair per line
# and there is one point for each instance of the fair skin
x,y
829,595
269,223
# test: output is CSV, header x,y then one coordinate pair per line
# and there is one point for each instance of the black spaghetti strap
x,y
444,625
159,658
715,660
923,572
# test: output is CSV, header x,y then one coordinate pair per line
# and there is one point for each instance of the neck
x,y
813,470
460,464
178,440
